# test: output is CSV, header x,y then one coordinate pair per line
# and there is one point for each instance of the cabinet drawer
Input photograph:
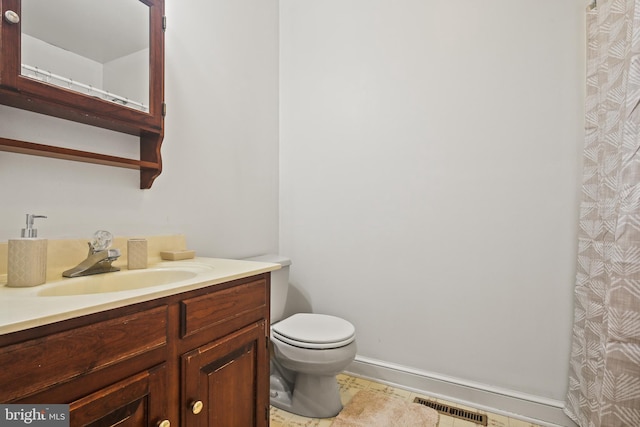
x,y
139,400
247,302
44,362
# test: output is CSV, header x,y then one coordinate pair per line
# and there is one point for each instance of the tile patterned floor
x,y
350,385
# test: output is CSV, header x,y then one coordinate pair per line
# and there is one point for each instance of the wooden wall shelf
x,y
149,170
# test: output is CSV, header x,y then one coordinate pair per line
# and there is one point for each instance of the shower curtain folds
x,y
604,368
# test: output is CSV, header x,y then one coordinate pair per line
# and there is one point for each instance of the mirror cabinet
x,y
97,62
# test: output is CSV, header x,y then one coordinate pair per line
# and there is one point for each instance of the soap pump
x,y
30,231
27,257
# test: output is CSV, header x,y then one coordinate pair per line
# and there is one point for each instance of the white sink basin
x,y
120,281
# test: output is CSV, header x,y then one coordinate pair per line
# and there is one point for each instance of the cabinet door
x,y
225,383
138,401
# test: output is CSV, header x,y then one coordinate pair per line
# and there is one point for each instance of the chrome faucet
x,y
99,259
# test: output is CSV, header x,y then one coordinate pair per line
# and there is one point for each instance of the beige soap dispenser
x,y
27,263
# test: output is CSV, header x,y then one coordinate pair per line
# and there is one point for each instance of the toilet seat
x,y
314,331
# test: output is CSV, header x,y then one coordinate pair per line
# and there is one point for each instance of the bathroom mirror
x,y
95,47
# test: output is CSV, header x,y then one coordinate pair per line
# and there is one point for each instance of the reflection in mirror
x,y
95,47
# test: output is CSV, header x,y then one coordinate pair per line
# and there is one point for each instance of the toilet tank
x,y
279,283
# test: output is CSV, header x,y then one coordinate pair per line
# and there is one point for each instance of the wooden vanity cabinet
x,y
198,358
225,338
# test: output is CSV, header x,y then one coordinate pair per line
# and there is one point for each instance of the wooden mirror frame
x,y
29,94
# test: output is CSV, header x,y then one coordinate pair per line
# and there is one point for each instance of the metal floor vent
x,y
474,417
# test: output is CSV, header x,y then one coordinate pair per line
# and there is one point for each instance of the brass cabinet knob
x,y
196,406
164,423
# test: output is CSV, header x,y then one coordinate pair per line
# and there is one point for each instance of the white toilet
x,y
309,350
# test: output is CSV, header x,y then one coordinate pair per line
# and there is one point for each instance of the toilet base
x,y
313,396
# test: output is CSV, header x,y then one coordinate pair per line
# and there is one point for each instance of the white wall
x,y
128,76
429,179
220,181
48,57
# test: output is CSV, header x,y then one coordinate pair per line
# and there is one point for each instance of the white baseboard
x,y
513,404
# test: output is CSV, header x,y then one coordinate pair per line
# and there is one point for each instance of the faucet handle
x,y
101,241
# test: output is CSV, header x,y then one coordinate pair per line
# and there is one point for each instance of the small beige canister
x,y
136,254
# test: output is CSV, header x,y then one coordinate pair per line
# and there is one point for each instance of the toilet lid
x,y
318,331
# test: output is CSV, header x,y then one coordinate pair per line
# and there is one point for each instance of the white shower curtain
x,y
604,377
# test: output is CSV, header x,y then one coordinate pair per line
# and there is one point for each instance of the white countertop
x,y
23,308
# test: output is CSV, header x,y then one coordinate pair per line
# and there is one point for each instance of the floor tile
x,y
350,385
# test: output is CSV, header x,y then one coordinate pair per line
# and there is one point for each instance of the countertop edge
x,y
114,300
